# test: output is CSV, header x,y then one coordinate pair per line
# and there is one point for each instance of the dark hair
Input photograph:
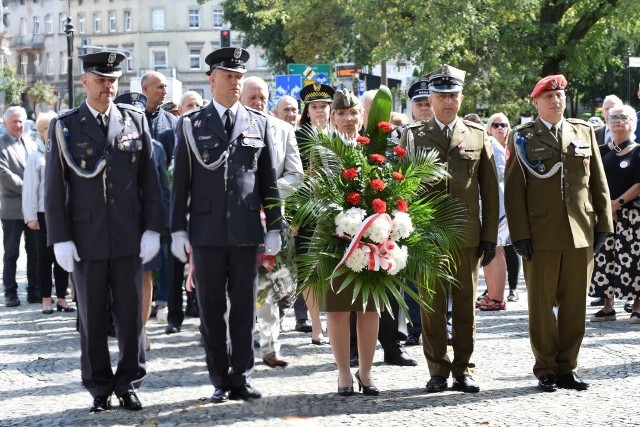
x,y
473,117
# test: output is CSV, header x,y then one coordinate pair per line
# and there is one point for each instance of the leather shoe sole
x,y
245,392
100,403
437,384
572,382
11,301
465,384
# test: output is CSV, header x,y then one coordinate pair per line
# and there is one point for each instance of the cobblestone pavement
x,y
40,380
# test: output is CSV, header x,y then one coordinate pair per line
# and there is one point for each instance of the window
x,y
24,63
63,62
97,22
157,19
49,66
127,20
23,26
112,22
218,18
81,23
158,58
195,59
194,18
62,21
48,24
36,25
128,63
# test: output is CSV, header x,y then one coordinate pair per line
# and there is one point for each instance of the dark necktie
x,y
228,124
447,133
555,133
102,121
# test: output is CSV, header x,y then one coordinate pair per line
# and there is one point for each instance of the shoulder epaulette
x,y
415,124
523,125
473,124
67,112
194,111
262,113
130,107
578,122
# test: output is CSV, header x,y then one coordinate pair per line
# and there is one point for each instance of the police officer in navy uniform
x,y
102,203
224,175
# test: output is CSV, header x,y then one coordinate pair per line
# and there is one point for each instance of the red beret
x,y
556,82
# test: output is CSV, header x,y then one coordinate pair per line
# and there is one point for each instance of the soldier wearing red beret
x,y
559,214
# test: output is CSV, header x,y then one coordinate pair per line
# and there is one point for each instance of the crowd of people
x,y
125,203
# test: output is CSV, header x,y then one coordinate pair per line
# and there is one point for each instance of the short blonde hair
x,y
629,111
44,118
495,117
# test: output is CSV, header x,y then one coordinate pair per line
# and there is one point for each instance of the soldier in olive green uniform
x,y
464,147
559,214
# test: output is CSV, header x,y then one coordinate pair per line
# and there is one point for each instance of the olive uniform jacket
x,y
563,210
101,192
223,203
469,160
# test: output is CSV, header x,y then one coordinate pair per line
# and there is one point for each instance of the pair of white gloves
x,y
66,252
180,245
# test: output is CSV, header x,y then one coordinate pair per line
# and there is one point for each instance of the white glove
x,y
272,243
149,245
180,245
66,253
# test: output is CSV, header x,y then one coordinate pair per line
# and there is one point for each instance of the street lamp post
x,y
69,30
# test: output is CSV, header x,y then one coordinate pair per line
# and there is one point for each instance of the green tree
x,y
42,93
12,87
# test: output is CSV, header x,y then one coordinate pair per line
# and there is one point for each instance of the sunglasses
x,y
619,118
499,125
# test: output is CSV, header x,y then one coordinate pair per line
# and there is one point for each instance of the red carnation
x,y
402,205
399,151
351,173
353,198
398,176
377,158
377,184
363,140
379,206
385,126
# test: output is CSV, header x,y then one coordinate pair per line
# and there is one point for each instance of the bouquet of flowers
x,y
377,225
277,274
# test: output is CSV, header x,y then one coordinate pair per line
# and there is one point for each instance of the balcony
x,y
31,41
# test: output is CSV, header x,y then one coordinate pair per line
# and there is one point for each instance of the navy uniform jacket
x,y
219,216
104,215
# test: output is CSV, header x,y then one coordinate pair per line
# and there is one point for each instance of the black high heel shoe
x,y
345,391
369,390
65,309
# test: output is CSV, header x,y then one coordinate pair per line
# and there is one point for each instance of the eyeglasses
x,y
619,118
499,125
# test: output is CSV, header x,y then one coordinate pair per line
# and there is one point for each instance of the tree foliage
x,y
11,86
42,93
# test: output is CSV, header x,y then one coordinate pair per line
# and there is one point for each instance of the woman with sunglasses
x,y
616,272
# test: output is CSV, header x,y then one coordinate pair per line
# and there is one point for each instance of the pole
x,y
629,76
69,30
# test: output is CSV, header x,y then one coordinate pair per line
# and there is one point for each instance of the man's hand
x,y
523,248
33,225
487,251
66,253
272,242
180,245
149,245
598,240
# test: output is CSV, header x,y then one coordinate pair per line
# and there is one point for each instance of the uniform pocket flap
x,y
539,153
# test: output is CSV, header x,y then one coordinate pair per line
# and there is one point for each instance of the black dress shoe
x,y
436,384
130,401
369,390
345,391
11,301
547,382
412,339
597,302
100,403
571,381
171,329
66,309
221,394
302,325
244,392
400,359
628,306
466,384
34,298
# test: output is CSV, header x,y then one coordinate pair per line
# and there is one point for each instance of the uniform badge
x,y
624,164
542,168
83,164
111,59
253,123
237,53
197,123
135,97
89,152
205,156
83,120
48,145
421,133
528,136
461,148
554,84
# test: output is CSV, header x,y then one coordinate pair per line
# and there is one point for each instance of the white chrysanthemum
x,y
402,225
379,230
359,259
399,255
347,222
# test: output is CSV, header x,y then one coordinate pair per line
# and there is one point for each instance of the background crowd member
x,y
14,150
225,154
613,274
346,118
287,110
189,101
465,147
559,215
603,134
104,217
33,211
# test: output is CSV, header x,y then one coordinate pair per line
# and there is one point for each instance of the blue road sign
x,y
322,79
288,85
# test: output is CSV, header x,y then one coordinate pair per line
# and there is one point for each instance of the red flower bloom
x,y
363,140
351,173
399,151
377,184
385,126
353,198
397,176
402,205
377,158
379,206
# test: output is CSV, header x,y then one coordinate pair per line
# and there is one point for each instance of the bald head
x,y
255,93
154,87
189,100
287,110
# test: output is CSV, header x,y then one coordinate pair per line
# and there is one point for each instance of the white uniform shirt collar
x,y
96,112
442,125
557,125
221,109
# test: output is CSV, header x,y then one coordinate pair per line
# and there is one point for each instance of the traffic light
x,y
225,38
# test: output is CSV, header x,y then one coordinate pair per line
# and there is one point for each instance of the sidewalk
x,y
40,379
